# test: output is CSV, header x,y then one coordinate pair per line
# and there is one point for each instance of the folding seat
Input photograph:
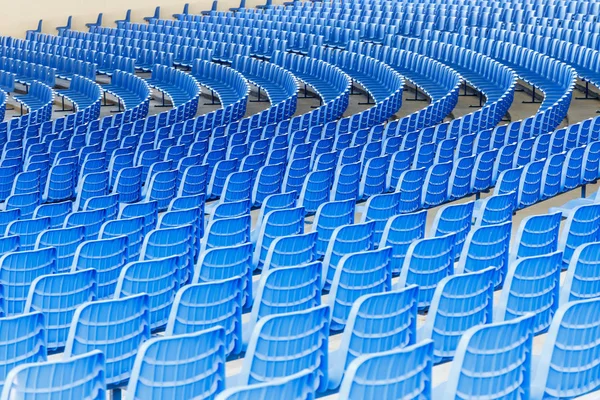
x,y
399,373
581,280
289,251
283,290
162,188
27,230
147,210
22,340
399,232
530,184
132,228
494,368
295,342
374,177
566,367
57,296
18,270
61,183
495,209
91,221
537,235
268,182
426,263
454,218
435,188
65,241
459,303
194,181
582,226
276,224
187,366
76,377
91,185
345,240
26,182
316,190
128,322
187,202
128,184
172,242
377,323
158,278
346,182
531,286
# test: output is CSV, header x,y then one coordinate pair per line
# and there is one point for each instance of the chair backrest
x,y
381,208
27,230
487,246
459,303
226,232
347,239
567,367
277,223
184,366
330,216
358,274
290,289
396,374
91,220
148,210
427,262
454,218
492,368
57,296
532,285
582,279
172,242
537,234
65,241
299,386
22,340
131,228
107,257
117,327
158,278
285,344
80,377
225,263
399,232
57,212
582,226
497,209
289,251
19,270
377,323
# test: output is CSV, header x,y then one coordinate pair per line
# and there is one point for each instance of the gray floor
x,y
578,111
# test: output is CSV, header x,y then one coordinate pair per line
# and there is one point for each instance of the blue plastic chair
x,y
57,296
567,208
357,274
491,368
377,323
26,203
267,183
582,278
80,377
299,386
495,209
346,183
148,210
90,220
194,181
293,342
162,188
276,224
230,209
184,366
381,208
202,306
57,212
61,183
395,374
65,241
487,246
427,262
172,242
27,230
6,217
282,290
190,216
158,279
226,263
128,184
531,286
117,328
454,218
290,251
567,365
399,232
537,235
459,303
346,239
9,244
107,257
330,216
226,232
410,186
582,226
316,190
19,270
132,228
91,185
22,340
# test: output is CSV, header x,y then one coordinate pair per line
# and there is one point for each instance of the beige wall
x,y
21,15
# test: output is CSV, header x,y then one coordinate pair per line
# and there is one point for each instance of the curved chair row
x,y
182,88
27,73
